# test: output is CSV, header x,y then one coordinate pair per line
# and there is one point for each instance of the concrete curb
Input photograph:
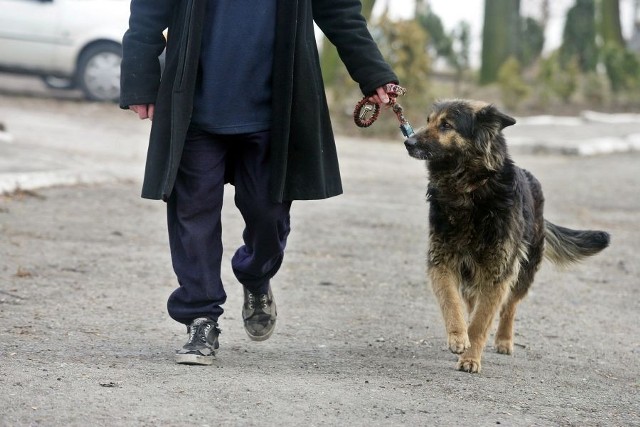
x,y
12,182
33,167
589,147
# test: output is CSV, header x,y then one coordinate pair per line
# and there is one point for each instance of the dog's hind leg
x,y
528,269
488,301
471,303
445,288
504,335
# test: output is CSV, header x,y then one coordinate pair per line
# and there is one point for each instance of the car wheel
x,y
58,82
99,72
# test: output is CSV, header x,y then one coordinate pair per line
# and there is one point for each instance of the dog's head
x,y
462,135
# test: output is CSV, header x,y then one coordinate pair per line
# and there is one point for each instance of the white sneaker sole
x,y
194,359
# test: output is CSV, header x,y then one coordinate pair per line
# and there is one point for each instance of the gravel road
x,y
85,273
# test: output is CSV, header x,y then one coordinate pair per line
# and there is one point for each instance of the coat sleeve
x,y
343,24
142,44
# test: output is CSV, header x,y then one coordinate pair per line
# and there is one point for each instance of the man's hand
x,y
380,97
144,111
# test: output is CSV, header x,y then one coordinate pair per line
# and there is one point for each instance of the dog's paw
x,y
468,364
504,346
458,343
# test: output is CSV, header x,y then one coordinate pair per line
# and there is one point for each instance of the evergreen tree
x,y
439,40
501,36
579,36
532,41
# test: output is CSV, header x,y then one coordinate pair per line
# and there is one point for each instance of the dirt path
x,y
84,275
85,338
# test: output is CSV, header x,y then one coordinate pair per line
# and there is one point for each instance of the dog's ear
x,y
490,115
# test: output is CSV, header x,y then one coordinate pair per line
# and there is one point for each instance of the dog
x,y
487,233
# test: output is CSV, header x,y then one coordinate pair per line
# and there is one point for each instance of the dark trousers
x,y
195,227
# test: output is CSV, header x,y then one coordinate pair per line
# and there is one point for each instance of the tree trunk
x,y
610,28
500,36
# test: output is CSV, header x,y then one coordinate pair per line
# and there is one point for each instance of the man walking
x,y
241,100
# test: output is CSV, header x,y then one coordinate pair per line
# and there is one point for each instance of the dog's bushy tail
x,y
565,246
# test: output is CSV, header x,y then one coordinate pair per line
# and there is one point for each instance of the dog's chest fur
x,y
480,236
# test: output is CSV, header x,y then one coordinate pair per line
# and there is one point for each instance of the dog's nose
x,y
410,142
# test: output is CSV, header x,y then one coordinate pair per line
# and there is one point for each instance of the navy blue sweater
x,y
233,91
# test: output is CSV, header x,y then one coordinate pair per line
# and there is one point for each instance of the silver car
x,y
69,43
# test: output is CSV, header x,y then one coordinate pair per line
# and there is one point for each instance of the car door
x,y
28,34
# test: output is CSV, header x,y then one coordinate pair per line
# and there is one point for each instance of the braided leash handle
x,y
367,112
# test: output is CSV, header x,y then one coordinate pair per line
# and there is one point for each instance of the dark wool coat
x,y
303,156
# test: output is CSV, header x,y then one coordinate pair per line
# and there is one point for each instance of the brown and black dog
x,y
487,234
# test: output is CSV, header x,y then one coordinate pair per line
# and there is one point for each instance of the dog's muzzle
x,y
415,150
410,142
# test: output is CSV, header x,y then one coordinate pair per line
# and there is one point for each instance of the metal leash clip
x,y
366,112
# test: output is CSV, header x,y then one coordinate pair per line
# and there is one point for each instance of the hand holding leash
x,y
366,112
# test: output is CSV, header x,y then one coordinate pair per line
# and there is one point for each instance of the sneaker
x,y
259,314
203,341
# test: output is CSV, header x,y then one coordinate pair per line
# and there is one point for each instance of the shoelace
x,y
264,301
251,301
194,332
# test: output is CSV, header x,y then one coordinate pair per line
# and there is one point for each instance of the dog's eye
x,y
445,126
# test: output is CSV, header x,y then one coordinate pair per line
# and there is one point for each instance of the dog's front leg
x,y
445,287
488,301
